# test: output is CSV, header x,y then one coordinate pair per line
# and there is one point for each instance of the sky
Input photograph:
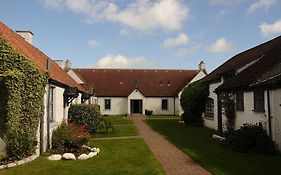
x,y
144,34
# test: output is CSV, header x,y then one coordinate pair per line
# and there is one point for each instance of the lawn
x,y
123,126
164,117
198,144
117,157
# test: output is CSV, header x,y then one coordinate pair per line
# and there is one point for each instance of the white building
x,y
127,91
254,79
60,90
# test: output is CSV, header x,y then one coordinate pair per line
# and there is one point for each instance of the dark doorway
x,y
136,106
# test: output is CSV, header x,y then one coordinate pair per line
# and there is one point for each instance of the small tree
x,y
192,101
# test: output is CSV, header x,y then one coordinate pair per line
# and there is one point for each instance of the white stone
x,y
98,150
11,165
55,157
68,156
83,157
87,147
92,154
94,150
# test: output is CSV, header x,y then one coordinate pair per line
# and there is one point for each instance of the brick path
x,y
173,160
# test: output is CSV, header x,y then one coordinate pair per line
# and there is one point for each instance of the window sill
x,y
259,111
209,118
53,124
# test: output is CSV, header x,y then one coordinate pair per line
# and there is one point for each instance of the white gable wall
x,y
136,95
213,122
276,115
73,75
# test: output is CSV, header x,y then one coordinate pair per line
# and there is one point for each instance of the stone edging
x,y
19,162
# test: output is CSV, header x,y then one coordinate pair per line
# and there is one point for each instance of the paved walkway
x,y
173,160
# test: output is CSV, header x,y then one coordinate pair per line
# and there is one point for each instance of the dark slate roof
x,y
151,83
265,72
37,57
243,58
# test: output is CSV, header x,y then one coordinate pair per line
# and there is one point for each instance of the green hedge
x,y
87,115
21,105
192,101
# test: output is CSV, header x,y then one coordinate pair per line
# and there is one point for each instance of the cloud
x,y
141,15
120,61
261,4
181,39
187,51
224,2
220,46
93,43
270,29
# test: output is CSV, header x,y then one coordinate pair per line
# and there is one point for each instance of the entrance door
x,y
136,106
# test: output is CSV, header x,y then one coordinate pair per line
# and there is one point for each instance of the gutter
x,y
269,115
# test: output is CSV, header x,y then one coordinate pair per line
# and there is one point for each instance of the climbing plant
x,y
228,105
21,105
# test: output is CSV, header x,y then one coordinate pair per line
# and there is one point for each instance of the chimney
x,y
202,66
27,35
67,65
60,63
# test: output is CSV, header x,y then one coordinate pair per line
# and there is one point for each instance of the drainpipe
x,y
48,106
269,115
174,106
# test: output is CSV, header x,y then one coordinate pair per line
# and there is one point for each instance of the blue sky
x,y
169,34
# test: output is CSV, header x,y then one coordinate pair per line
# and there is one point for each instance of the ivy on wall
x,y
21,106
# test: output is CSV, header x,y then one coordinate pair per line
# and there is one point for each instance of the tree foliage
x,y
21,106
192,101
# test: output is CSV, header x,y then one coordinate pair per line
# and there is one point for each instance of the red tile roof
x,y
37,57
243,58
151,83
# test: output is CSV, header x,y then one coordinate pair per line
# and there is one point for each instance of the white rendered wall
x,y
213,122
118,106
248,115
275,100
155,104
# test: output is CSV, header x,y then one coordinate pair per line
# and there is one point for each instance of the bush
x,y
87,115
193,100
69,138
148,112
250,138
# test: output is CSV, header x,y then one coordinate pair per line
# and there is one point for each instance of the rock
x,y
68,156
55,157
98,150
94,150
217,137
87,147
83,157
92,154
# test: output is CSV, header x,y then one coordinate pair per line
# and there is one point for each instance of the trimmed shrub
x,y
250,139
148,112
69,138
192,101
84,114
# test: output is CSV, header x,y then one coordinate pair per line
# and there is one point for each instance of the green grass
x,y
198,144
117,157
123,126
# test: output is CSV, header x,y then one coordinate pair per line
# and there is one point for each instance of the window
x,y
240,101
209,108
107,104
164,104
259,100
51,105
